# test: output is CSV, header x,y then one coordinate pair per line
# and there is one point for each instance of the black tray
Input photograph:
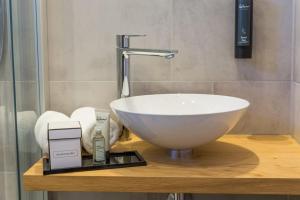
x,y
117,160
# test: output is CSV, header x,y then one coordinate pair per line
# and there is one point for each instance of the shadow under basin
x,y
217,157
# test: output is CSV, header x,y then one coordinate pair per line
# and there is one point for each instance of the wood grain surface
x,y
235,164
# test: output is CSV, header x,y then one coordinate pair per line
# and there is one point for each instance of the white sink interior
x,y
179,121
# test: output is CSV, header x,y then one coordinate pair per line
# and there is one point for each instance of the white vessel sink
x,y
179,121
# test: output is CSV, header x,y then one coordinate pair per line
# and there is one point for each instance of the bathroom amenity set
x,y
64,144
61,138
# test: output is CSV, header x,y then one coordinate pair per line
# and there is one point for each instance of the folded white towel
x,y
87,118
41,127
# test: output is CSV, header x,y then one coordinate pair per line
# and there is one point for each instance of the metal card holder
x,y
117,160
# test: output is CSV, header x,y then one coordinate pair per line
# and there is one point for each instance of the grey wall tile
x,y
10,156
211,197
148,68
294,197
67,96
270,105
74,55
24,41
6,62
8,186
142,88
7,125
96,196
2,155
296,109
238,197
7,113
204,34
7,129
26,93
157,196
4,124
259,197
153,18
10,190
2,188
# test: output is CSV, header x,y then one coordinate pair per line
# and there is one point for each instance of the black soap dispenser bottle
x,y
243,28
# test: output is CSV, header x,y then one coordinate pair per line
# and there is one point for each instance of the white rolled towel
x,y
87,118
41,127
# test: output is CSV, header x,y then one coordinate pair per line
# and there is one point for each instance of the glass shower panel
x,y
8,148
19,97
26,86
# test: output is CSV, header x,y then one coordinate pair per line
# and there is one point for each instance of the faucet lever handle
x,y
135,35
123,40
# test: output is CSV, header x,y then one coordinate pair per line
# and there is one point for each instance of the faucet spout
x,y
123,56
124,52
168,54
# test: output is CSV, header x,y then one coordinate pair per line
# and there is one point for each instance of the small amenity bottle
x,y
103,121
99,147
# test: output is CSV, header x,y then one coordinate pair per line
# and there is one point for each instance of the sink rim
x,y
244,104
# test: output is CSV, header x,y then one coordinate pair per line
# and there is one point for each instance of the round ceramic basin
x,y
179,121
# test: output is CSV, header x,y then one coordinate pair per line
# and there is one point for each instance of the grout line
x,y
221,81
27,82
82,82
174,81
5,82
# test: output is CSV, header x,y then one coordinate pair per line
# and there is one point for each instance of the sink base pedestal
x,y
180,154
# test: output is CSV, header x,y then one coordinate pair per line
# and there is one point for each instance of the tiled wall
x,y
82,60
296,77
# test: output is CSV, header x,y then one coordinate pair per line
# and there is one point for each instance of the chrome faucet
x,y
123,66
123,61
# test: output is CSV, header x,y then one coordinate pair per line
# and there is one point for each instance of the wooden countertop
x,y
235,164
